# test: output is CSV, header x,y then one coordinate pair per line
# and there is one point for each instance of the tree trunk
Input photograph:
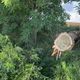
x,y
66,40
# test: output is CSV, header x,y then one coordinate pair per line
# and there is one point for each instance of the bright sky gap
x,y
70,8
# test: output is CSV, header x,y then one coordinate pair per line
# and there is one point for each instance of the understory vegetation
x,y
27,32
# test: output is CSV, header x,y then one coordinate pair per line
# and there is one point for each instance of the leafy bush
x,y
68,66
14,65
10,59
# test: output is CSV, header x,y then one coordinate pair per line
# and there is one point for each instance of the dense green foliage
x,y
25,20
31,26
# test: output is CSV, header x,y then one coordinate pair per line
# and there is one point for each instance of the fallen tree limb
x,y
65,41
